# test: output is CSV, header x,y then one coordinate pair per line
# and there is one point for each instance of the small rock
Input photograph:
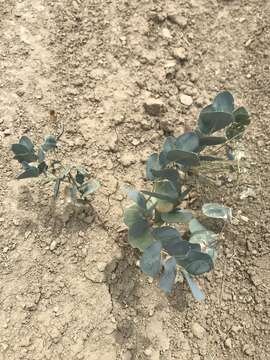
x,y
244,218
135,142
7,132
148,352
178,19
154,107
127,159
247,193
53,245
166,33
180,53
127,356
186,100
249,349
236,328
197,330
228,343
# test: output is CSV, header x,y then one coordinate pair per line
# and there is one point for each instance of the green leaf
x,y
133,214
167,189
204,237
49,143
168,275
56,188
177,216
42,167
150,262
224,102
207,240
152,164
41,155
136,196
22,153
189,142
217,211
241,116
212,140
196,291
195,226
166,234
89,187
165,194
169,174
138,228
184,158
79,177
25,141
235,131
210,122
196,262
169,144
173,243
30,171
141,242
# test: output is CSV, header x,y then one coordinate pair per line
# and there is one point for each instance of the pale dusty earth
x,y
70,288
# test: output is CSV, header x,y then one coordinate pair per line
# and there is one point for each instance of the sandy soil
x,y
96,63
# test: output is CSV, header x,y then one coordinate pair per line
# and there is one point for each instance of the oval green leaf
x,y
217,211
168,275
224,102
241,116
210,122
184,158
189,142
196,263
141,242
177,216
196,291
150,262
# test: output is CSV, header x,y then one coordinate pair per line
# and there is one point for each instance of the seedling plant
x,y
74,180
170,237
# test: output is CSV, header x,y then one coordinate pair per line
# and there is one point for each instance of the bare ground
x,y
95,63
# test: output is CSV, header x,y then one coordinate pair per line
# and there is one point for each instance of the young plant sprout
x,y
73,179
150,220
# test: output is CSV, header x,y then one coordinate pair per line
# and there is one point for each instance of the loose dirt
x,y
70,288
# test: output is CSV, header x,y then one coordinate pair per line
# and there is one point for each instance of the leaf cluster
x,y
77,185
153,221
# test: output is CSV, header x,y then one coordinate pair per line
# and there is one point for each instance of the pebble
x,y
154,107
166,33
247,193
127,159
186,100
180,53
127,356
53,245
197,330
178,19
148,352
249,349
228,343
7,132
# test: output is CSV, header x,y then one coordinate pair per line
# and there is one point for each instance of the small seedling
x,y
165,249
74,179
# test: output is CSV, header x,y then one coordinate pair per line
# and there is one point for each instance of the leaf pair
x,y
222,114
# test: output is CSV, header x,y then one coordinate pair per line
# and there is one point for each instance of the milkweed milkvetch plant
x,y
171,238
